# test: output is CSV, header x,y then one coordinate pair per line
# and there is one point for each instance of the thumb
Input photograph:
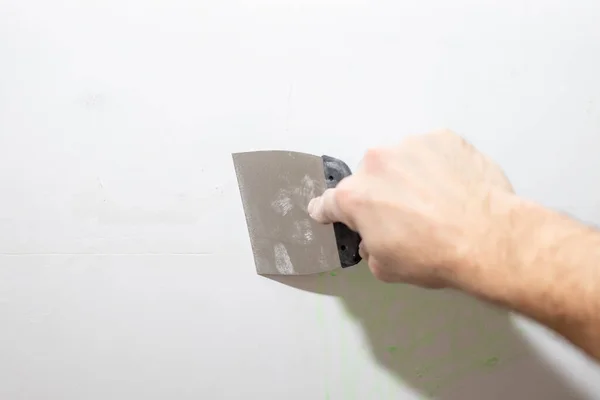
x,y
324,209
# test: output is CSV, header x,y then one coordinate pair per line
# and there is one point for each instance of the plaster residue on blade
x,y
276,187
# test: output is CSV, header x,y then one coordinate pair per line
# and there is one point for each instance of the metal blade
x,y
276,187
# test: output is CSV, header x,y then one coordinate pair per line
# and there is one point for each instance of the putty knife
x,y
276,187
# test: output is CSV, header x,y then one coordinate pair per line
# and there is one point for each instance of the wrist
x,y
486,264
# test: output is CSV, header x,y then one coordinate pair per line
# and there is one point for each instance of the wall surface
x,y
125,264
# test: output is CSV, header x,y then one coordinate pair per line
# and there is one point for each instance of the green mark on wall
x,y
492,361
444,339
420,372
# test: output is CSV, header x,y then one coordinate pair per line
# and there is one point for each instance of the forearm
x,y
542,264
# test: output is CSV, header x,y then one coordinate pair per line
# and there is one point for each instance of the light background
x,y
125,265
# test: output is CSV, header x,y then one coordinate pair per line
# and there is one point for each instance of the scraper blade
x,y
276,187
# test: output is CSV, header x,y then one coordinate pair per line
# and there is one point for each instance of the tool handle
x,y
347,240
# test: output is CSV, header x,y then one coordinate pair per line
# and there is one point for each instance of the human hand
x,y
422,207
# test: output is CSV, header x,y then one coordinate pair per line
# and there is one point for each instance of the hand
x,y
421,208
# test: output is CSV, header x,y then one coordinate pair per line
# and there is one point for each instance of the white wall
x,y
125,265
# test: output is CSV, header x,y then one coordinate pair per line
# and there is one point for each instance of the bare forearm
x,y
544,265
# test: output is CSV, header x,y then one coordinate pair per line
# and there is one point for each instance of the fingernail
x,y
311,207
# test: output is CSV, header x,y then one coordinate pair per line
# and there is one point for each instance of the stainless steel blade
x,y
276,187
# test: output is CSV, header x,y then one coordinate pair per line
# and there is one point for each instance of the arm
x,y
542,264
435,212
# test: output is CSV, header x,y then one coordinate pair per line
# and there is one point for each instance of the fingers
x,y
381,271
362,251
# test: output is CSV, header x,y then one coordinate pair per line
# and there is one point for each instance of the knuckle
x,y
438,136
412,143
446,136
375,158
444,133
449,141
347,196
448,132
408,139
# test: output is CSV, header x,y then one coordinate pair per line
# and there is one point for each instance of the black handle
x,y
347,240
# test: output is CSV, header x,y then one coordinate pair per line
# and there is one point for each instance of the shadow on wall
x,y
442,343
